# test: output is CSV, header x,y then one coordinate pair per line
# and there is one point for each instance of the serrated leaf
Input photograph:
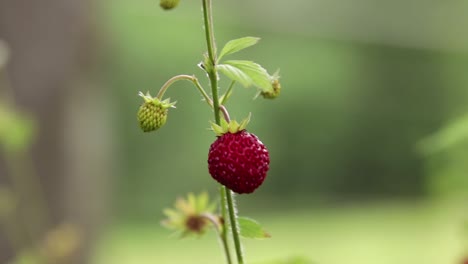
x,y
250,228
235,74
236,45
257,74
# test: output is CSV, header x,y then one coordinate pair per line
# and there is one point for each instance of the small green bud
x,y
275,92
153,113
168,4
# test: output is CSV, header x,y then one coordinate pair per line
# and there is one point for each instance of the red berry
x,y
238,161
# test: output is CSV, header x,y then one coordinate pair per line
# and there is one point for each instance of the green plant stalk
x,y
193,79
220,229
224,230
226,195
231,202
208,20
228,91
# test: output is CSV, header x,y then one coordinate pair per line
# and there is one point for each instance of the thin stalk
x,y
228,91
212,74
224,230
208,20
220,230
223,109
226,195
191,78
234,225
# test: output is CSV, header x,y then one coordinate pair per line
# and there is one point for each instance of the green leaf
x,y
235,74
236,45
259,77
250,228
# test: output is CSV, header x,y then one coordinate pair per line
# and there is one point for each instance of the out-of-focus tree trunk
x,y
51,43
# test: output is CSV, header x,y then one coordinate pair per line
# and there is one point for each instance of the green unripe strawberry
x,y
273,93
153,112
168,4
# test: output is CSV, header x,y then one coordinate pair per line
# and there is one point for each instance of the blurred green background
x,y
368,140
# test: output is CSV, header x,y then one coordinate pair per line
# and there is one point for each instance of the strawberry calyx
x,y
166,103
230,127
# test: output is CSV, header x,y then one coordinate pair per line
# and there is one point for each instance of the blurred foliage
x,y
16,129
446,152
451,135
384,233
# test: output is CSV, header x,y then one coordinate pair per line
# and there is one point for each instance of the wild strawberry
x,y
168,4
238,159
153,112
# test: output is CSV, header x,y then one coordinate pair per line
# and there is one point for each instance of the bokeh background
x,y
368,139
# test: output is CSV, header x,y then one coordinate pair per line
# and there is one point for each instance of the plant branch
x,y
223,109
228,91
234,225
226,194
220,229
191,78
208,20
224,232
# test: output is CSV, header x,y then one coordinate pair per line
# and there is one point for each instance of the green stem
x,y
224,231
210,41
191,78
211,69
226,95
234,225
220,229
226,195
